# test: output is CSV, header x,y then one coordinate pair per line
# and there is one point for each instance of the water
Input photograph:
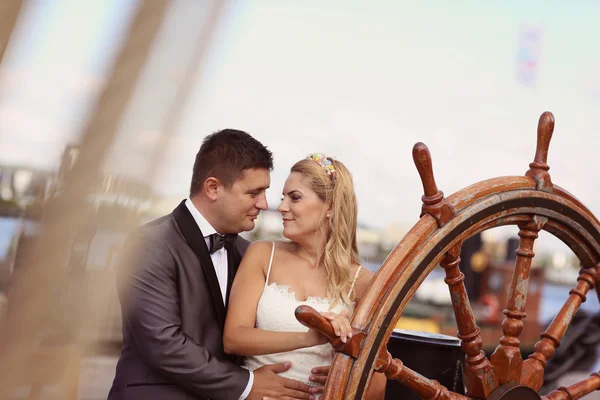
x,y
9,228
554,296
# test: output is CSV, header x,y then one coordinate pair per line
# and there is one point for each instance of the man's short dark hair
x,y
225,155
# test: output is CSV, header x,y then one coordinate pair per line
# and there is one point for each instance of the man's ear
x,y
212,187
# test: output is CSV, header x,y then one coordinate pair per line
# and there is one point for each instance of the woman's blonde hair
x,y
341,251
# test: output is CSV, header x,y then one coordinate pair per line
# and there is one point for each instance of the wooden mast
x,y
9,11
34,292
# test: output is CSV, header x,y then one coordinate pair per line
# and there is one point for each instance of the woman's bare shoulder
x,y
363,272
261,246
258,251
261,249
363,279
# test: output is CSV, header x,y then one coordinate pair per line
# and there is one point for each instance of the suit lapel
x,y
233,262
194,237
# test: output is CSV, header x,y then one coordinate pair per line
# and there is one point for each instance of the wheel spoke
x,y
533,368
426,388
434,202
480,378
507,358
577,390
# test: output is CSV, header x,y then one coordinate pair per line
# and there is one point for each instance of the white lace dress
x,y
275,312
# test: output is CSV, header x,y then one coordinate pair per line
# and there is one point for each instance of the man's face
x,y
241,203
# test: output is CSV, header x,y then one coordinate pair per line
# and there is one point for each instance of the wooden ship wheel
x,y
532,203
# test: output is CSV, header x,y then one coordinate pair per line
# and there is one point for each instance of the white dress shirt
x,y
219,260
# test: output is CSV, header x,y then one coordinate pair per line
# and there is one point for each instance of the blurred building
x,y
115,206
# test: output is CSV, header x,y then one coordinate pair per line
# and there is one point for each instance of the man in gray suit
x,y
174,285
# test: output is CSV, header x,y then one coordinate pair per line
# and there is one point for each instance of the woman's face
x,y
302,210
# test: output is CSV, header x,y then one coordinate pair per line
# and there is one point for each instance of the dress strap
x,y
354,281
270,264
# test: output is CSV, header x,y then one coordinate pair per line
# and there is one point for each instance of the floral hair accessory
x,y
324,162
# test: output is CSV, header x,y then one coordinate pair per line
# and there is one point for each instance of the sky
x,y
362,81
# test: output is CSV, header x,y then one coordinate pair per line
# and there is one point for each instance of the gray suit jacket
x,y
173,316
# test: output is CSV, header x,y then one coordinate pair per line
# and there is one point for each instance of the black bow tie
x,y
217,242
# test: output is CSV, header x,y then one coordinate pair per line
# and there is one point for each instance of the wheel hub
x,y
514,391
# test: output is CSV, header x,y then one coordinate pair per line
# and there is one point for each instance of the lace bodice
x,y
275,312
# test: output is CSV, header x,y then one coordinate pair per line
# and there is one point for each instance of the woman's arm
x,y
362,283
240,336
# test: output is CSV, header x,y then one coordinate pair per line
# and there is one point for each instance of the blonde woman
x,y
319,266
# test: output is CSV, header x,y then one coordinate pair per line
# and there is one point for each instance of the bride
x,y
319,266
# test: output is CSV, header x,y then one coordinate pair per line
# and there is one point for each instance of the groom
x,y
174,284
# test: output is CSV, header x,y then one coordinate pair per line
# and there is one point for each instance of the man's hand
x,y
319,375
269,385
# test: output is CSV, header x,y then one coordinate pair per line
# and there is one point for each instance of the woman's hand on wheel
x,y
340,323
